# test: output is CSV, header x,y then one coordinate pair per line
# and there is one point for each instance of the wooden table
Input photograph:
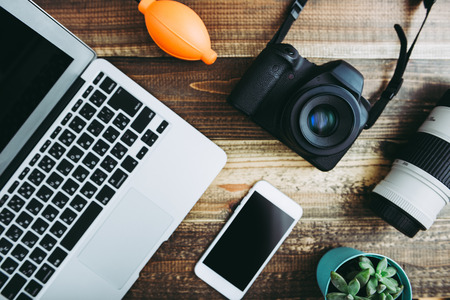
x,y
335,202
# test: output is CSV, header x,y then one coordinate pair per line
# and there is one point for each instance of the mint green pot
x,y
335,258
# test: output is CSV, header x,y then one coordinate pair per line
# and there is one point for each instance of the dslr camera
x,y
317,111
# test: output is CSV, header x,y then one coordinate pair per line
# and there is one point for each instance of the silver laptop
x,y
95,172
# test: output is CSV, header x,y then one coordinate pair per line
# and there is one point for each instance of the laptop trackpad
x,y
125,239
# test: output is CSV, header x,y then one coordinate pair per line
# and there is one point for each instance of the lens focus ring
x,y
430,154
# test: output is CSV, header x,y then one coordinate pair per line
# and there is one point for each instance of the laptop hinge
x,y
40,131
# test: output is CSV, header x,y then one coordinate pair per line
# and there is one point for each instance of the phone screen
x,y
248,241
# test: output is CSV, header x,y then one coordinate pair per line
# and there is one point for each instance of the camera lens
x,y
418,186
322,120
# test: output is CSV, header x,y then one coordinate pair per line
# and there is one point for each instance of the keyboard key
x,y
143,119
14,286
105,115
24,220
6,216
26,190
48,242
77,105
85,141
34,160
33,288
58,229
87,111
36,177
24,173
125,101
70,187
30,239
162,127
45,146
108,164
111,134
98,177
38,255
80,174
68,216
99,77
13,187
75,154
54,180
105,195
46,163
121,121
57,257
77,124
50,213
88,91
56,132
142,152
118,178
108,85
44,273
129,137
67,137
3,279
91,160
119,151
97,98
64,167
101,147
149,137
39,226
66,119
20,252
27,268
16,203
14,233
129,163
34,206
3,200
5,246
81,225
95,128
9,265
88,190
60,200
78,203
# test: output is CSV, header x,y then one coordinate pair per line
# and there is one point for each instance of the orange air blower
x,y
177,30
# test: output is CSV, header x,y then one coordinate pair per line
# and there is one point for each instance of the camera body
x,y
317,111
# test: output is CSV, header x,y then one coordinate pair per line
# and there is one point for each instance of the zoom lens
x,y
322,120
418,186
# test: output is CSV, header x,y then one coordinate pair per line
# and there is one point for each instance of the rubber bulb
x,y
177,30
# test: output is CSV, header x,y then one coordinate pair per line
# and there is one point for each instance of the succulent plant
x,y
381,285
378,282
348,291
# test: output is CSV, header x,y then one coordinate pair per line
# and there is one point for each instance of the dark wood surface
x,y
334,203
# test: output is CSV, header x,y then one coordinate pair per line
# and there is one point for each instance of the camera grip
x,y
257,81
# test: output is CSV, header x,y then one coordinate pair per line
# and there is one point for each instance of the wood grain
x,y
335,203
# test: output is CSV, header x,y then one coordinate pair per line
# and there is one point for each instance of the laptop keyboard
x,y
66,184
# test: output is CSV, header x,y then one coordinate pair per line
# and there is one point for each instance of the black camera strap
x,y
296,9
396,81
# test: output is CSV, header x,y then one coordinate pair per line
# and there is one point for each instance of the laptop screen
x,y
29,66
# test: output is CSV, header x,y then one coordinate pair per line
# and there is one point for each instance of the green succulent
x,y
381,285
348,291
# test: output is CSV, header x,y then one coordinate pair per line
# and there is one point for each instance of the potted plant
x,y
347,274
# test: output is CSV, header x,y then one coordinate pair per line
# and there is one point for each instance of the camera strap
x,y
296,9
396,81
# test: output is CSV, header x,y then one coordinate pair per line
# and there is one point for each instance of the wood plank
x,y
326,28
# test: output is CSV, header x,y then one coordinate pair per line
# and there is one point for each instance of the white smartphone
x,y
249,239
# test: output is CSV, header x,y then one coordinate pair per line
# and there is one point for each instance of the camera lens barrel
x,y
418,186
